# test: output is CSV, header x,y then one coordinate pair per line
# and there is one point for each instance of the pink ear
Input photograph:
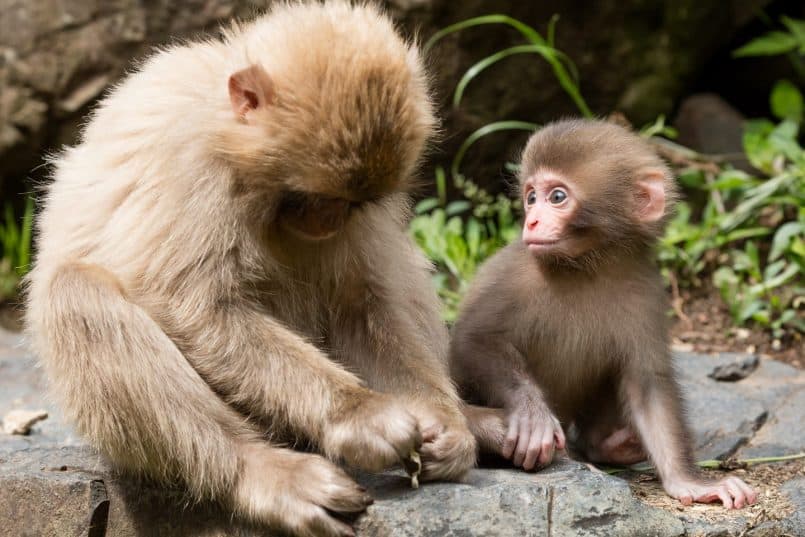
x,y
250,88
650,196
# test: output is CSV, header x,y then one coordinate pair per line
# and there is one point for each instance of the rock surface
x,y
52,484
58,56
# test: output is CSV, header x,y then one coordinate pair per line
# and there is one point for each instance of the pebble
x,y
20,421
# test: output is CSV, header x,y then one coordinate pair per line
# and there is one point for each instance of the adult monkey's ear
x,y
249,89
649,195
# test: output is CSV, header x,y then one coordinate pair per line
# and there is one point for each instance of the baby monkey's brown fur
x,y
224,270
568,326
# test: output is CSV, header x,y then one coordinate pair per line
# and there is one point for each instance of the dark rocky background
x,y
641,57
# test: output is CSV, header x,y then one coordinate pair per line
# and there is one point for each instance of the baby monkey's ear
x,y
249,89
649,195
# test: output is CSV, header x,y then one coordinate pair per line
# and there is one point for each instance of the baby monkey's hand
x,y
533,433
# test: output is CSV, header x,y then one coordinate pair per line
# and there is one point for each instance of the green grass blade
x,y
567,80
12,234
770,44
527,31
710,463
426,205
24,256
441,185
781,279
574,72
552,29
545,51
485,131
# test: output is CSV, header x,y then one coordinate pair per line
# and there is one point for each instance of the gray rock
x,y
737,370
772,383
52,484
795,490
759,416
70,491
566,499
722,418
509,502
595,504
783,433
708,124
22,385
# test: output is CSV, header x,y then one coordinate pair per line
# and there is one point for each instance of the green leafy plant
x,y
750,233
790,42
777,42
15,239
458,245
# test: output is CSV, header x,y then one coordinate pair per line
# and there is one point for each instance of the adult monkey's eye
x,y
557,196
531,197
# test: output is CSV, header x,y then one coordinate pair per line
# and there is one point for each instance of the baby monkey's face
x,y
574,215
550,202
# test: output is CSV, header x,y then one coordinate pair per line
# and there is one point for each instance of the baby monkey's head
x,y
591,189
334,111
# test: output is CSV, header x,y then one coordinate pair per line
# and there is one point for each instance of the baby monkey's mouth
x,y
541,242
540,245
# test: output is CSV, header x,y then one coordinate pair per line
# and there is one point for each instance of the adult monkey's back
x,y
227,245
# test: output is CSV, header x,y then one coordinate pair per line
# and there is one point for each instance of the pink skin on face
x,y
549,204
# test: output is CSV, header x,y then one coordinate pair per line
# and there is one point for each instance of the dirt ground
x,y
764,478
705,326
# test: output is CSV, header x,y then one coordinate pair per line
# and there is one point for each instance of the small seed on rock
x,y
413,465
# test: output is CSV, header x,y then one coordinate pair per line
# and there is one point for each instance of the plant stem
x,y
711,463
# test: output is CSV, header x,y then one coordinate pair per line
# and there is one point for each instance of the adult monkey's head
x,y
328,124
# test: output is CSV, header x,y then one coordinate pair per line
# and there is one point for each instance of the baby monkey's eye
x,y
557,196
531,197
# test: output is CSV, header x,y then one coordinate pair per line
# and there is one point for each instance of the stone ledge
x,y
51,484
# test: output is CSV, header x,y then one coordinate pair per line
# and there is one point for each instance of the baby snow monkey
x,y
568,325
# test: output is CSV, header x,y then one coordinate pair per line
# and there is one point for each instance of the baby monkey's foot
x,y
621,447
730,491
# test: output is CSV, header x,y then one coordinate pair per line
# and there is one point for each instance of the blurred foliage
x,y
777,42
459,245
15,240
746,238
788,41
749,235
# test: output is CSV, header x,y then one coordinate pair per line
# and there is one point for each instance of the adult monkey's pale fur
x,y
227,245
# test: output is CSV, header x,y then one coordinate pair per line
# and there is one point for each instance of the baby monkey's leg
x,y
603,433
